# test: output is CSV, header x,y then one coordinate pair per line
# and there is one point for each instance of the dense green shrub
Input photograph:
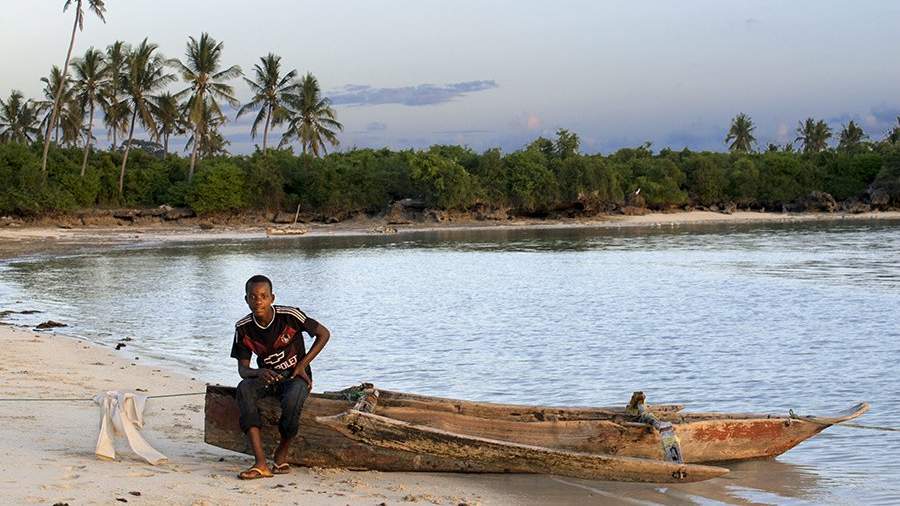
x,y
848,175
888,179
706,181
532,187
220,185
442,182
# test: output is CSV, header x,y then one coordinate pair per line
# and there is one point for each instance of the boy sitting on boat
x,y
274,334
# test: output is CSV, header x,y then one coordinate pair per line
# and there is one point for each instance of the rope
x,y
795,416
91,399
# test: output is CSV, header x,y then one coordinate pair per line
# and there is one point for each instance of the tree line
x,y
546,177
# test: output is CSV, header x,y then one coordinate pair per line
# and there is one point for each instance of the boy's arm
x,y
321,335
264,375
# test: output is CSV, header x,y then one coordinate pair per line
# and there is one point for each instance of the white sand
x,y
48,447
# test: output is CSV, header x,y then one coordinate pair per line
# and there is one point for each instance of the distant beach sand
x,y
29,240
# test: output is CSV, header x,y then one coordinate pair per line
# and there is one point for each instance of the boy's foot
x,y
280,457
255,472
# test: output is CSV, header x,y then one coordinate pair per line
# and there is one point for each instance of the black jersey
x,y
277,346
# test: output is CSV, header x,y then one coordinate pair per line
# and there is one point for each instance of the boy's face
x,y
259,297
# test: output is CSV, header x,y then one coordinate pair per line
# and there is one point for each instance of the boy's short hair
x,y
259,278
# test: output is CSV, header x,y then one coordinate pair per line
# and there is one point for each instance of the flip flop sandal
x,y
283,468
254,473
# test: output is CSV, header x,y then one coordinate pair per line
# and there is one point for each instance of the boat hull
x,y
582,435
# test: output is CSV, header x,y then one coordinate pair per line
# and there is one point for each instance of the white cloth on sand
x,y
123,413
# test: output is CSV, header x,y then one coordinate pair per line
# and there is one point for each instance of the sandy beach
x,y
49,446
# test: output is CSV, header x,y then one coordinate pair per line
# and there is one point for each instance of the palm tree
x,y
207,140
270,90
311,119
814,135
144,74
18,119
741,134
115,117
203,71
893,136
56,86
852,136
91,81
98,7
169,119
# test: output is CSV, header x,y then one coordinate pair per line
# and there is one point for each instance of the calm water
x,y
752,318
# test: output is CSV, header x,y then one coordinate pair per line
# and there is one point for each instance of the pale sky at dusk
x,y
489,73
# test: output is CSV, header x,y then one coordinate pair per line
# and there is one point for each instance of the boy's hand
x,y
268,376
301,373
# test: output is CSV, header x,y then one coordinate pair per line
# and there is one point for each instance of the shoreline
x,y
24,241
50,445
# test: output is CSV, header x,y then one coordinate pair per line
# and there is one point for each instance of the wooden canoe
x,y
406,432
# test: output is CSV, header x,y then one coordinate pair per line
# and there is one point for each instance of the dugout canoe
x,y
364,428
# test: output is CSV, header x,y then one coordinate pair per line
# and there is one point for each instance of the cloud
x,y
376,126
422,94
885,114
752,21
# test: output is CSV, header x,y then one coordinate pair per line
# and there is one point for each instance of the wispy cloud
x,y
422,94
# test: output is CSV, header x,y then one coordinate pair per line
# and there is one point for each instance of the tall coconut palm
x,y
145,73
115,116
813,135
311,119
71,123
207,140
893,136
740,135
852,136
269,95
169,119
56,85
18,119
91,81
202,70
98,7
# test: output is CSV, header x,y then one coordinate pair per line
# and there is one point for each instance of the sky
x,y
499,73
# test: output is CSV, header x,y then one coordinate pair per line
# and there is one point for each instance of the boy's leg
x,y
293,394
248,392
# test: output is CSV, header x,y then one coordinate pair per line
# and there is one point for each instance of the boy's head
x,y
258,294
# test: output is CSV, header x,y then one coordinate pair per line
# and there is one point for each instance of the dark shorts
x,y
292,393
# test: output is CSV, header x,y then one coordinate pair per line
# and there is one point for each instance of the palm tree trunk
x,y
61,88
266,129
87,140
125,158
165,146
194,154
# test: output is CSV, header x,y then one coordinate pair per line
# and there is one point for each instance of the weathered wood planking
x,y
705,437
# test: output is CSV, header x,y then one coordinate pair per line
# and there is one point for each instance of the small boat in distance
x,y
365,428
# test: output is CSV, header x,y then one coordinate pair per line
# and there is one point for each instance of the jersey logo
x,y
285,338
274,358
